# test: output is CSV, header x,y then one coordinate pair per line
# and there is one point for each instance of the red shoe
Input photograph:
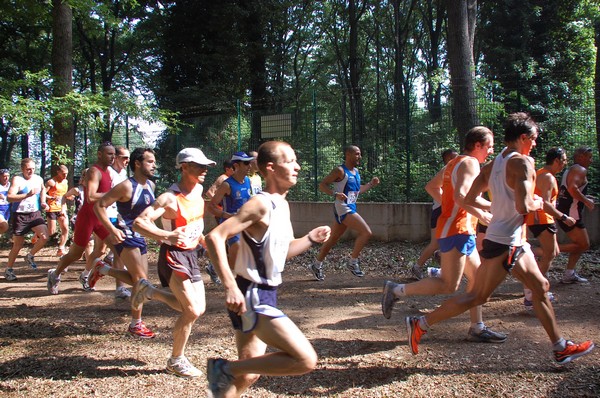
x,y
95,274
573,351
140,330
414,333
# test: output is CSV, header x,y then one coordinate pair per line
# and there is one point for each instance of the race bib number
x,y
352,197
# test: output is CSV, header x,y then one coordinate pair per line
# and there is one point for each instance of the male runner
x,y
346,188
182,212
251,297
56,188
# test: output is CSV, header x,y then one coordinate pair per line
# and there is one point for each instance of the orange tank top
x,y
454,220
190,216
55,195
540,217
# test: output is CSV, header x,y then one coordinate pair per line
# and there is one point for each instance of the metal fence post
x,y
315,160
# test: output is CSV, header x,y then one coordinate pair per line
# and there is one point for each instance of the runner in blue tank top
x,y
346,188
231,195
132,197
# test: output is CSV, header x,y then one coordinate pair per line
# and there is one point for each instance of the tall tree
x,y
62,67
461,34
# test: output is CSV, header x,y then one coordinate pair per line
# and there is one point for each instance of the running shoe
x,y
416,271
317,271
219,381
9,275
388,298
355,269
30,260
122,293
141,293
140,330
528,304
573,279
573,351
214,277
95,274
53,281
183,368
84,283
414,333
434,272
34,239
486,335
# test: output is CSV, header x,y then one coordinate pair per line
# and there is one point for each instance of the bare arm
x,y
215,201
316,235
373,183
12,195
210,192
578,177
434,186
467,193
335,175
250,217
520,176
120,193
93,178
145,224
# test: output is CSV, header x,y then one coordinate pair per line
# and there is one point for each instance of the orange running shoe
x,y
414,333
573,351
140,330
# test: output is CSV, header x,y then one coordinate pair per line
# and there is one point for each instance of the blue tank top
x,y
240,193
350,186
142,196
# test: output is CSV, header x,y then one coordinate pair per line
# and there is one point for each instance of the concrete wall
x,y
392,221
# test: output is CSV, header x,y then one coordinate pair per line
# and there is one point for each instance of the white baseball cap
x,y
194,155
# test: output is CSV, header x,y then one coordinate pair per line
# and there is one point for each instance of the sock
x,y
560,345
134,322
528,294
569,272
353,261
9,269
104,270
318,263
399,290
423,323
477,327
85,273
177,359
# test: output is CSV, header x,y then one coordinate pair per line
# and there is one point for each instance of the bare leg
x,y
193,304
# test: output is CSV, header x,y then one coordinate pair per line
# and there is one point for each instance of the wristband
x,y
564,217
335,194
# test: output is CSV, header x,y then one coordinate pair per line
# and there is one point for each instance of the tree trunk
x,y
461,32
597,82
62,65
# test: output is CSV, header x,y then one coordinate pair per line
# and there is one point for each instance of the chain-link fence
x,y
402,148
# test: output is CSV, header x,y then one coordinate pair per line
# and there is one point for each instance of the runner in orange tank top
x,y
541,222
456,235
181,209
56,188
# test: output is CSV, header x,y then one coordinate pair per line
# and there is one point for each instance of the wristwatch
x,y
564,217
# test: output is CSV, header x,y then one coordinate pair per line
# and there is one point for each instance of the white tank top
x,y
263,261
506,226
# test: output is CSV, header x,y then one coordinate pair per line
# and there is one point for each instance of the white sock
x,y
318,263
569,272
353,261
477,327
134,322
528,294
399,290
560,345
85,273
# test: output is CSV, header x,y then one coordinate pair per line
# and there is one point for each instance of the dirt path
x,y
75,344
